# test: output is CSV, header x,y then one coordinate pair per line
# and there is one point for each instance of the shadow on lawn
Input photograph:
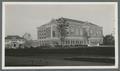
x,y
92,59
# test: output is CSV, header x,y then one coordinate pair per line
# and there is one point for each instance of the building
x,y
14,42
79,33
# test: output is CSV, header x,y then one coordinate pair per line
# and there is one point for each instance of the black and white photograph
x,y
59,35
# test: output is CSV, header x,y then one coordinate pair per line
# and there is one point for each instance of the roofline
x,y
82,22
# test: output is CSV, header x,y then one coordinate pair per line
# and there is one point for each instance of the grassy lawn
x,y
50,60
92,56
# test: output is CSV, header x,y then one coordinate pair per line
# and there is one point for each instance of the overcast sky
x,y
20,19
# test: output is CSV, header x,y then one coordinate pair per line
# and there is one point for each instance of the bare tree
x,y
62,25
86,35
28,40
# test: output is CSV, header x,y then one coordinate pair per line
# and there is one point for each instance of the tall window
x,y
79,31
53,33
68,41
91,32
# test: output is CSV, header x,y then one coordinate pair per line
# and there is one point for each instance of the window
x,y
91,31
97,33
77,42
68,42
73,42
14,45
53,33
80,32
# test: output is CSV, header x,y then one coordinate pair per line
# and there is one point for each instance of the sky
x,y
20,19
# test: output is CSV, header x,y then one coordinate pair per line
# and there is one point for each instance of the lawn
x,y
52,60
60,57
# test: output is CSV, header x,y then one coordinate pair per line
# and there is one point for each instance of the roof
x,y
13,37
78,21
74,20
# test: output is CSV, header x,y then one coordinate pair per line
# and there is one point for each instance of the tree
x,y
108,40
28,40
62,25
28,43
86,35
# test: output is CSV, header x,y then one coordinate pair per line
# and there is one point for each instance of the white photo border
x,y
60,67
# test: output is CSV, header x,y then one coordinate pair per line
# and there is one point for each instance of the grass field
x,y
53,60
60,57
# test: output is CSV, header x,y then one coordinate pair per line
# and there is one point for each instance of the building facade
x,y
78,33
14,42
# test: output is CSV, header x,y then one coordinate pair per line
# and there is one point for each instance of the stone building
x,y
79,33
14,42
